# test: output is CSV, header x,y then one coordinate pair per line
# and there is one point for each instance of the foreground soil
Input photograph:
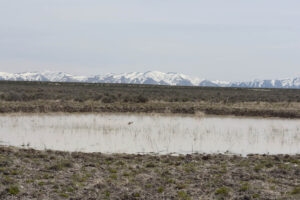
x,y
31,174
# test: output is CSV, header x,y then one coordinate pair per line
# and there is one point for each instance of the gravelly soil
x,y
31,174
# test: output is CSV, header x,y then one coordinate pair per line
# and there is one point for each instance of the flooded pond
x,y
151,133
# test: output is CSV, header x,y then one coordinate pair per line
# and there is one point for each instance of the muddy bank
x,y
31,174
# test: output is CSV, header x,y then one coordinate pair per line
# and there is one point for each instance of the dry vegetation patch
x,y
87,97
31,174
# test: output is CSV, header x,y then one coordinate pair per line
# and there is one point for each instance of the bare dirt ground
x,y
31,174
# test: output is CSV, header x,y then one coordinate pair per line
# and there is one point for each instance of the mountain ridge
x,y
149,77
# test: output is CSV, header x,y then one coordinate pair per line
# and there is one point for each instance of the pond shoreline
x,y
157,133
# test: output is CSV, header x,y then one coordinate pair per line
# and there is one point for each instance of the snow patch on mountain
x,y
150,77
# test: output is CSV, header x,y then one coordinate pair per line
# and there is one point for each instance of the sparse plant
x,y
113,176
141,99
136,194
222,191
65,195
111,170
150,165
244,187
258,167
295,191
182,195
160,190
13,190
61,165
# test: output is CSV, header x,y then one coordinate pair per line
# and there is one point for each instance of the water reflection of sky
x,y
141,133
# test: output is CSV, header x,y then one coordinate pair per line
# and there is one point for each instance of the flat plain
x,y
27,173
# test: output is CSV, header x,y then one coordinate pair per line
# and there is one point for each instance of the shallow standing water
x,y
151,133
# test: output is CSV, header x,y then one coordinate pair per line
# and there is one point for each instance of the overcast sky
x,y
213,39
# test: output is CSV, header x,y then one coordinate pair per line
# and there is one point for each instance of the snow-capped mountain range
x,y
150,77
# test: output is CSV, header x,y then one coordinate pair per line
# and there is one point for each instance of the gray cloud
x,y
227,40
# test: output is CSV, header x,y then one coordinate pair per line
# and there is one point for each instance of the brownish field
x,y
85,97
261,109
